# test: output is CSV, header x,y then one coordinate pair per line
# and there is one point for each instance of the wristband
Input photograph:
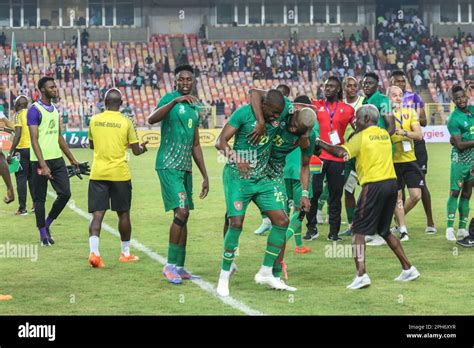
x,y
305,193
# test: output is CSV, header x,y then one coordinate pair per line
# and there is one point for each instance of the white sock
x,y
266,270
319,212
225,274
170,264
403,229
179,267
94,245
125,248
266,221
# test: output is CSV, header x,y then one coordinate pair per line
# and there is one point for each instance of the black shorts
x,y
421,156
375,208
409,174
105,194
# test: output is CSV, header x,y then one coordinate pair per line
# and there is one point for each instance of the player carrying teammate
x,y
21,147
461,128
110,186
178,113
372,147
47,158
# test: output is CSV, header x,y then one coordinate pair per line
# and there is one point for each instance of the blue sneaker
x,y
265,226
171,274
346,233
185,275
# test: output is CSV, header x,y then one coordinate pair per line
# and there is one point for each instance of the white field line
x,y
204,285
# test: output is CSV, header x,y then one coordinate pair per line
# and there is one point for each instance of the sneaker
x,y
223,285
467,242
368,238
265,226
462,233
288,288
359,282
32,210
233,268
394,230
302,250
404,237
377,241
430,230
45,242
284,269
270,280
171,274
450,234
311,234
22,212
6,297
96,261
129,258
346,233
334,238
48,234
407,275
319,217
185,275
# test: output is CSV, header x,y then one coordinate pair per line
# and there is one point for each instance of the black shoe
x,y
334,238
311,234
45,242
467,242
48,234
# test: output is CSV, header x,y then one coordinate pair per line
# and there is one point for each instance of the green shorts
x,y
460,173
294,191
267,195
176,188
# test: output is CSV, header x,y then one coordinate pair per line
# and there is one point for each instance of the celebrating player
x,y
47,158
179,117
21,147
461,128
110,186
372,147
4,172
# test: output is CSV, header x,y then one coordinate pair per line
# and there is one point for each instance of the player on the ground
x,y
372,147
178,113
333,117
110,185
47,158
21,148
7,126
461,127
413,100
244,181
266,223
350,86
407,169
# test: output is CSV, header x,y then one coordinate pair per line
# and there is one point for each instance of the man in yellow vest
x,y
47,158
21,148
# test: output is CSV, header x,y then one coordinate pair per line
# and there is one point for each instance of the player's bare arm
x,y
305,204
390,121
334,150
415,133
199,160
65,150
222,145
16,141
461,144
160,113
256,101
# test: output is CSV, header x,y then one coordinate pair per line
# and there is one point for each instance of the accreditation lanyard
x,y
331,114
333,135
400,121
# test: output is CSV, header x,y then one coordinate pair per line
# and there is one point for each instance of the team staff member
x,y
21,146
47,157
461,127
372,147
333,117
406,167
4,172
178,113
413,100
110,186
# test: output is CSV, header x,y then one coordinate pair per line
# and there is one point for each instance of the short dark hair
x,y
338,81
372,75
398,73
275,97
456,88
43,80
303,99
285,89
185,67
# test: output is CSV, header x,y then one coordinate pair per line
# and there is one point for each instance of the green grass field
x,y
61,282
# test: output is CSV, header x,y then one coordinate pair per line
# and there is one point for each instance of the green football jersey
x,y
177,135
383,104
462,124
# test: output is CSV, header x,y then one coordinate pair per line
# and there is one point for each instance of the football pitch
x,y
61,282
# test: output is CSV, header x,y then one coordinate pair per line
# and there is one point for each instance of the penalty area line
x,y
204,285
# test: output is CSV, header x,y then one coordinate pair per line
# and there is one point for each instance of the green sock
x,y
295,229
463,212
275,242
181,256
350,214
277,270
231,242
451,207
173,252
